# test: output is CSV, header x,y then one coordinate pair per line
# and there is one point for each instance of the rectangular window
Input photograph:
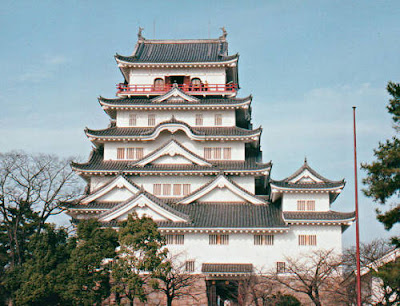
x,y
218,119
130,153
280,267
263,239
166,189
311,205
227,153
189,266
132,119
179,239
157,189
199,119
217,153
307,239
120,153
217,239
151,119
174,239
186,189
169,239
301,205
177,189
139,153
207,153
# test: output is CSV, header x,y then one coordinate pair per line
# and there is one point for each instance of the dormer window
x,y
218,119
159,84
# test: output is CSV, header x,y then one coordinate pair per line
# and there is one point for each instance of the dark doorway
x,y
178,79
218,291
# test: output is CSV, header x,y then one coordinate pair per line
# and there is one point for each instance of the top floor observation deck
x,y
195,66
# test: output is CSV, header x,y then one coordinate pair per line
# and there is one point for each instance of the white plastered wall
x,y
289,200
188,116
241,248
146,76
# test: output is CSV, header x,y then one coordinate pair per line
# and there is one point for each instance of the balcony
x,y
191,89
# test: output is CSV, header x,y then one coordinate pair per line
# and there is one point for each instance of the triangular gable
x,y
306,177
119,182
172,149
175,95
223,183
143,204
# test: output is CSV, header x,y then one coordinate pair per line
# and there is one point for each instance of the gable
x,y
142,205
120,185
306,177
172,153
222,189
175,95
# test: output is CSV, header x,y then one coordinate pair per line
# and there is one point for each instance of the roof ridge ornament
x,y
224,34
139,34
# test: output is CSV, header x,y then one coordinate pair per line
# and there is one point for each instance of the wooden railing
x,y
191,89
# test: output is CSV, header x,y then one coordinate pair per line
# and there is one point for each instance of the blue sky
x,y
305,62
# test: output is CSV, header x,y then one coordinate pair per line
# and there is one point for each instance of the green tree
x,y
390,285
141,252
383,174
39,278
87,275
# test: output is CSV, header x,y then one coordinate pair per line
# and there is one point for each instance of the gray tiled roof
x,y
226,268
96,163
179,51
325,183
318,215
224,215
138,101
143,131
228,215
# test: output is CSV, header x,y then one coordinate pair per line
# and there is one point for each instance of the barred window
x,y
199,119
301,205
151,120
227,153
218,119
307,239
217,239
217,153
177,189
139,153
132,119
120,153
179,239
311,205
280,267
130,153
263,239
207,153
174,239
166,189
186,189
157,189
189,266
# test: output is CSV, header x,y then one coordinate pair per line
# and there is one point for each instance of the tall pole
x,y
356,203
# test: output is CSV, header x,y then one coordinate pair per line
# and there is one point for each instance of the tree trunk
x,y
169,300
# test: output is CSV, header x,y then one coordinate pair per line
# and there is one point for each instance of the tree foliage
x,y
389,275
140,254
383,174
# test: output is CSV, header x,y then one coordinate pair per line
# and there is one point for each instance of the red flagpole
x,y
356,203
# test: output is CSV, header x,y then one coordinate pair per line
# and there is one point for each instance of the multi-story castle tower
x,y
181,148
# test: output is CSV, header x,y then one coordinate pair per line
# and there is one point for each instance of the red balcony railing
x,y
216,89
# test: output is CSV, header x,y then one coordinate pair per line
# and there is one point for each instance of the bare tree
x,y
32,188
312,274
174,281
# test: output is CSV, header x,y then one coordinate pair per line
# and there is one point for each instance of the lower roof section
x,y
318,216
226,268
